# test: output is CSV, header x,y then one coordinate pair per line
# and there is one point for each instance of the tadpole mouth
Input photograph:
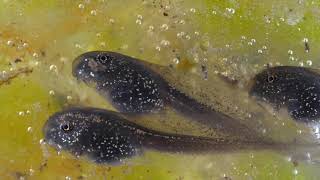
x,y
48,129
85,67
75,66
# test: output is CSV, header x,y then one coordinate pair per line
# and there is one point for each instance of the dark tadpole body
x,y
294,88
133,87
106,137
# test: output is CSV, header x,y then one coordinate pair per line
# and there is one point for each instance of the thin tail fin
x,y
211,118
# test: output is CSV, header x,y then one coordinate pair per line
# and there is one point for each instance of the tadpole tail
x,y
185,144
175,143
209,117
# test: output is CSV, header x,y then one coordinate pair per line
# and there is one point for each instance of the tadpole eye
x,y
271,78
66,127
103,58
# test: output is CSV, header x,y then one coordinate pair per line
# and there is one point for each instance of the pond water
x,y
202,46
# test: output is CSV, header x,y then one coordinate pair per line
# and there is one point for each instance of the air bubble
x,y
290,52
193,10
295,172
309,62
231,10
165,43
111,21
35,55
180,34
158,48
150,28
214,12
259,51
69,98
77,45
81,6
3,73
138,21
291,58
299,131
53,68
21,113
93,12
25,45
182,21
164,27
268,20
51,92
9,43
42,141
305,40
264,131
139,17
29,129
31,171
176,60
35,63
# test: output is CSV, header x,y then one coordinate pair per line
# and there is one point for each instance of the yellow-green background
x,y
225,36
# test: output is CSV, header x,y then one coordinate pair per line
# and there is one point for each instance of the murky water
x,y
196,42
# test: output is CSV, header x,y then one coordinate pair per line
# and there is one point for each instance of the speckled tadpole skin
x,y
133,87
106,137
294,88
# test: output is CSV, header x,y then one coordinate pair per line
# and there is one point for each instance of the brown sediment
x,y
6,78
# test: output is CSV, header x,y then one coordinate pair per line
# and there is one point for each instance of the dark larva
x,y
133,87
294,88
106,137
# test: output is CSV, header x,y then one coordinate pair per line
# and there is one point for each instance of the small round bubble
x,y
231,10
81,6
164,27
51,92
309,62
165,43
93,12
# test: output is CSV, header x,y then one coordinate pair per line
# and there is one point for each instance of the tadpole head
x,y
266,85
91,66
63,130
100,135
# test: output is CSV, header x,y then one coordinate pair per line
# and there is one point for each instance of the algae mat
x,y
199,39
